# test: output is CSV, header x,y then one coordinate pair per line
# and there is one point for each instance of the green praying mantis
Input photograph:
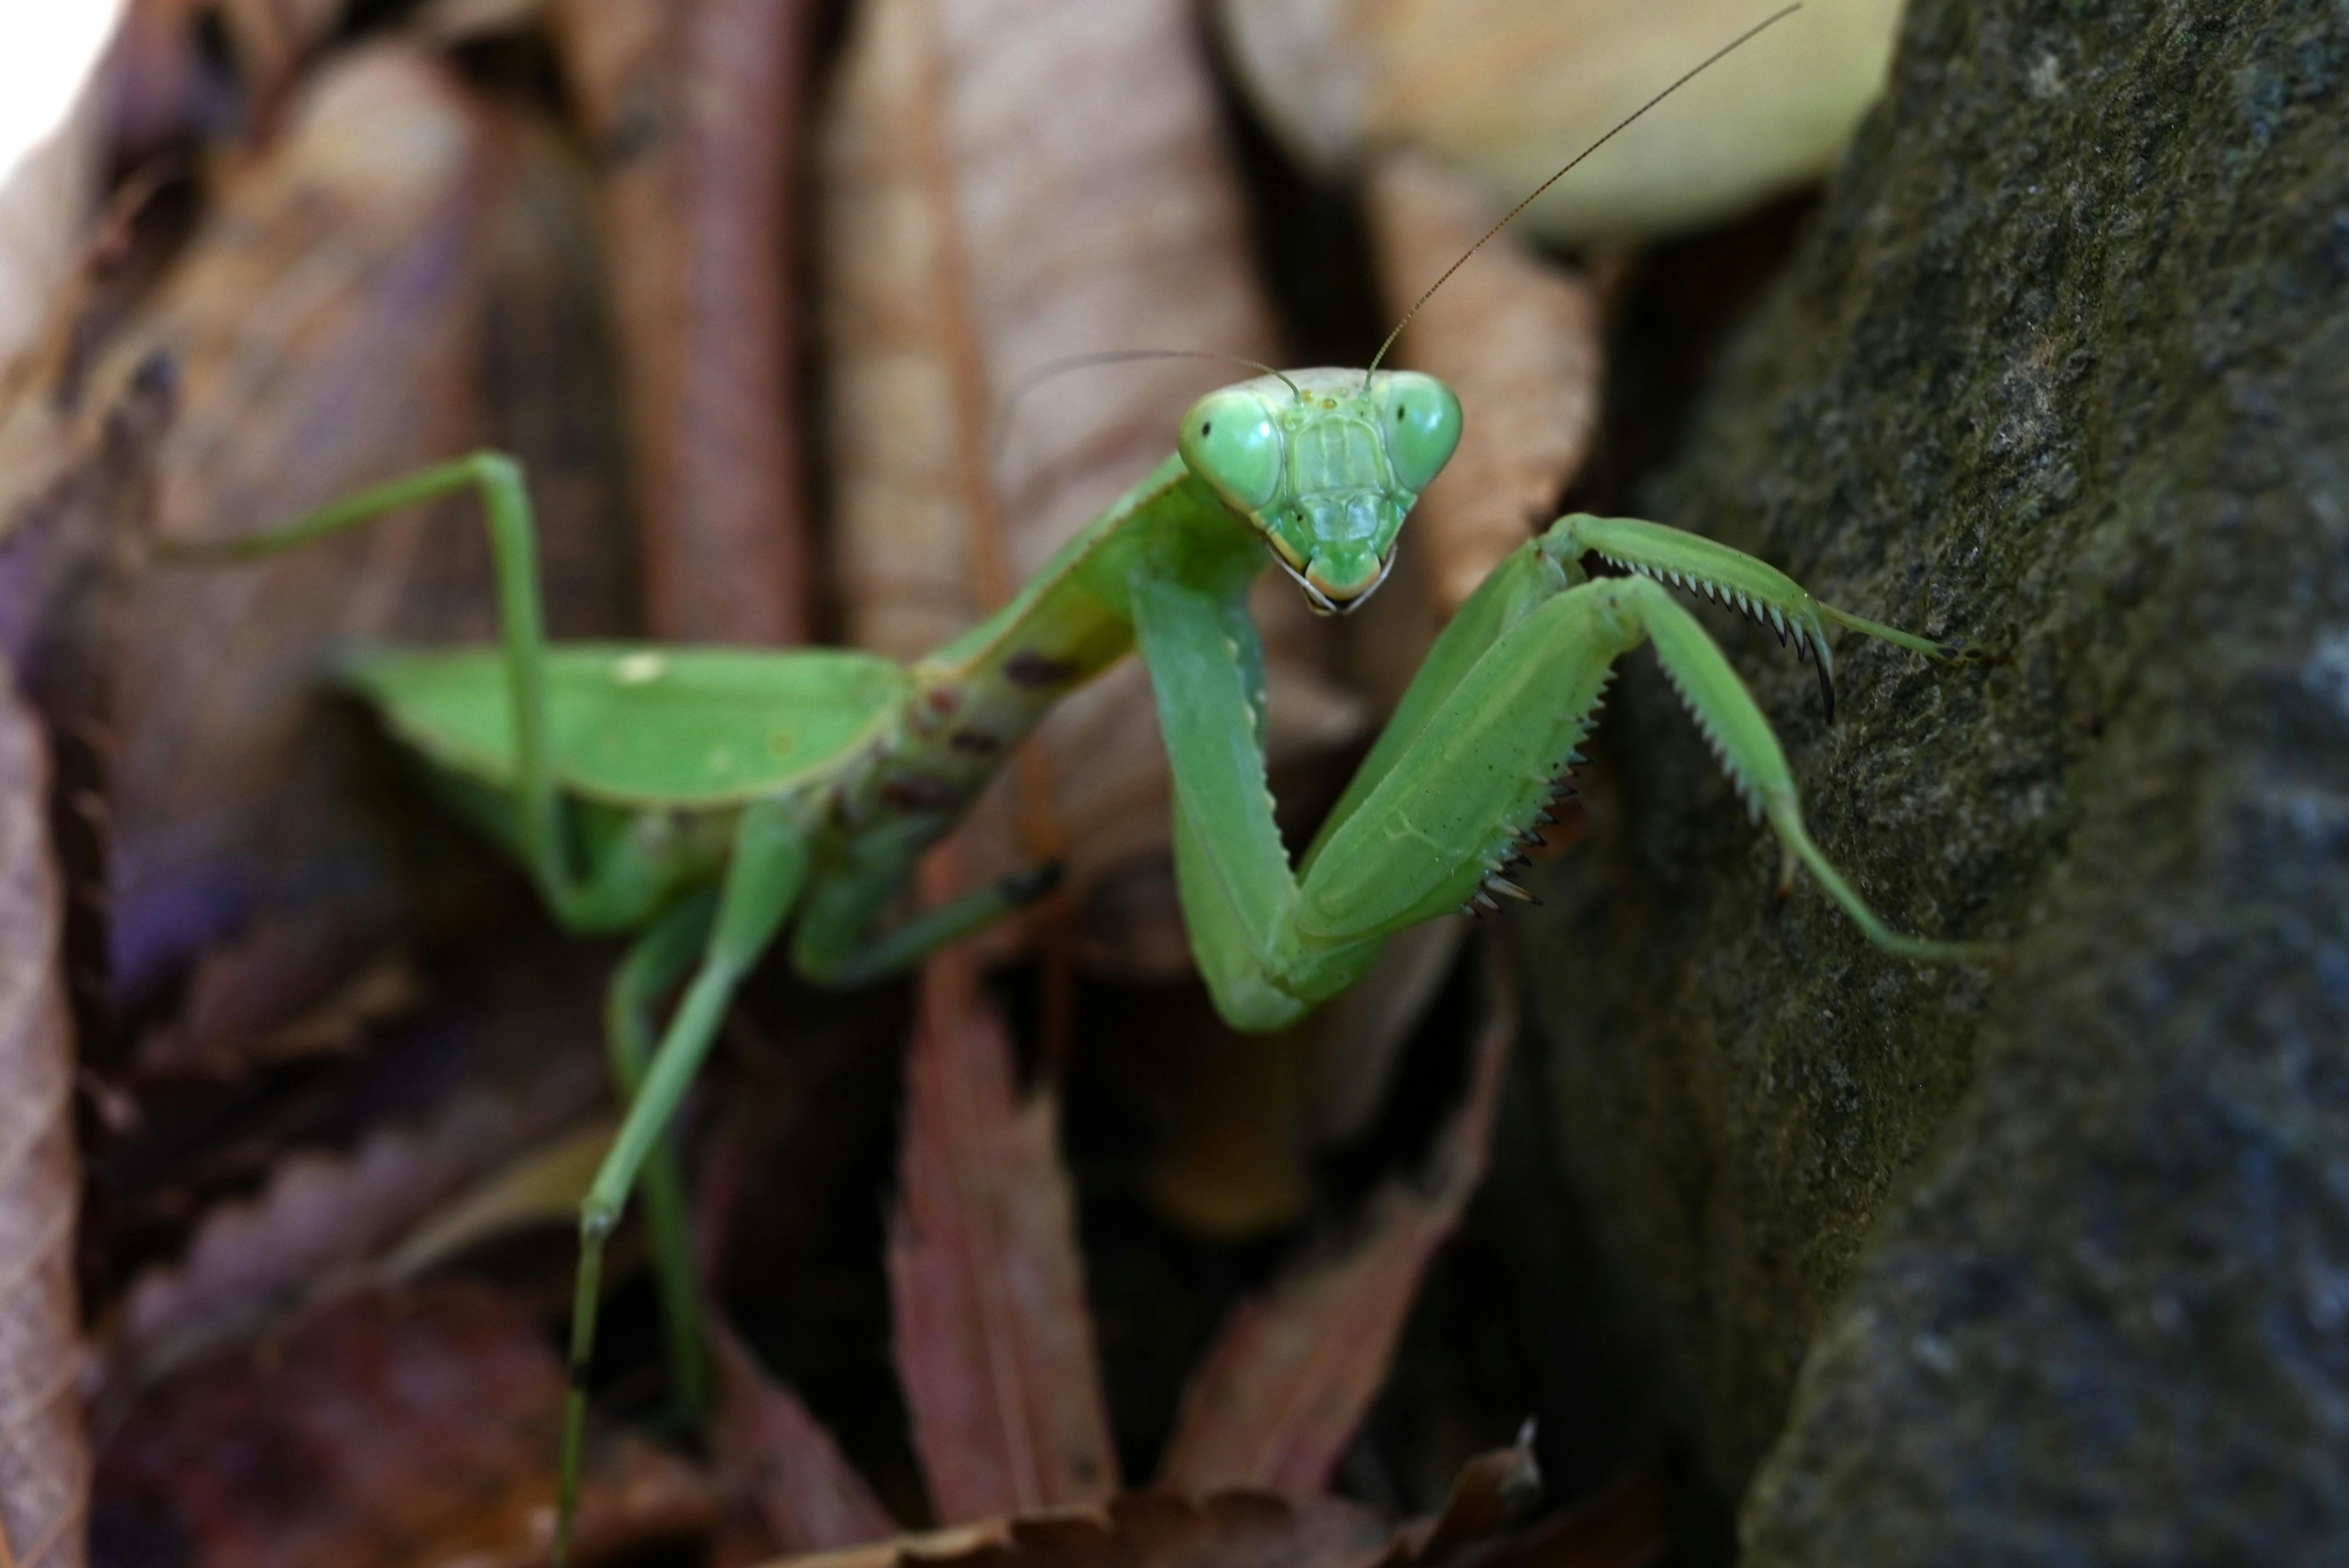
x,y
715,802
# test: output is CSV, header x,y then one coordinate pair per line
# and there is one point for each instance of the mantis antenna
x,y
1509,217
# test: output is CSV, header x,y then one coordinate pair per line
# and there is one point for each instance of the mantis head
x,y
1324,465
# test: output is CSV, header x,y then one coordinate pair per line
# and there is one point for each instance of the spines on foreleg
x,y
1750,755
1731,577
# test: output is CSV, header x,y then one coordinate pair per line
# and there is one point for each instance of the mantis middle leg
x,y
763,878
657,961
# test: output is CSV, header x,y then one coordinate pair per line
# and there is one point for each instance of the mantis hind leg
x,y
522,622
763,878
655,963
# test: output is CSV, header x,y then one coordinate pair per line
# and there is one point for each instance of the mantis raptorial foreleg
x,y
1440,806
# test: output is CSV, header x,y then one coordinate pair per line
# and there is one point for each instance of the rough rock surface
x,y
2047,1264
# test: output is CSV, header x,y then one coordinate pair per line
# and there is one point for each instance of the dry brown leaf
x,y
541,1185
1279,1395
765,1443
547,363
1508,90
323,1215
1242,1528
232,1018
318,326
270,41
63,574
1145,1530
1518,335
994,1342
1006,184
323,324
44,1457
694,107
387,1431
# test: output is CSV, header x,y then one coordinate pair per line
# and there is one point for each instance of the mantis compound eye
x,y
1419,418
1229,440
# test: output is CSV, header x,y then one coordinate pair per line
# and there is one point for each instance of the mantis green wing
x,y
638,723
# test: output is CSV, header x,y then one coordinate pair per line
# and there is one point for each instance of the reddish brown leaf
x,y
765,1442
322,1215
1279,1395
995,1345
387,1431
695,106
44,1458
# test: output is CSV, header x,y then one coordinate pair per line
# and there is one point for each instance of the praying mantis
x,y
715,802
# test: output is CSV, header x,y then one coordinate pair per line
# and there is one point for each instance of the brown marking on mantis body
x,y
913,792
1032,671
976,741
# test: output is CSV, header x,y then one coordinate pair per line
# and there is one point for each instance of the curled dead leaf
x,y
1508,90
44,1457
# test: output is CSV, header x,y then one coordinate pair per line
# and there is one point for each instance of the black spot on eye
x,y
1205,426
1398,413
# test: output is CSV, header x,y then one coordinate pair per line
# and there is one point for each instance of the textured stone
x,y
2061,369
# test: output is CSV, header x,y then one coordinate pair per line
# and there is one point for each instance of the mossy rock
x,y
2046,1262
